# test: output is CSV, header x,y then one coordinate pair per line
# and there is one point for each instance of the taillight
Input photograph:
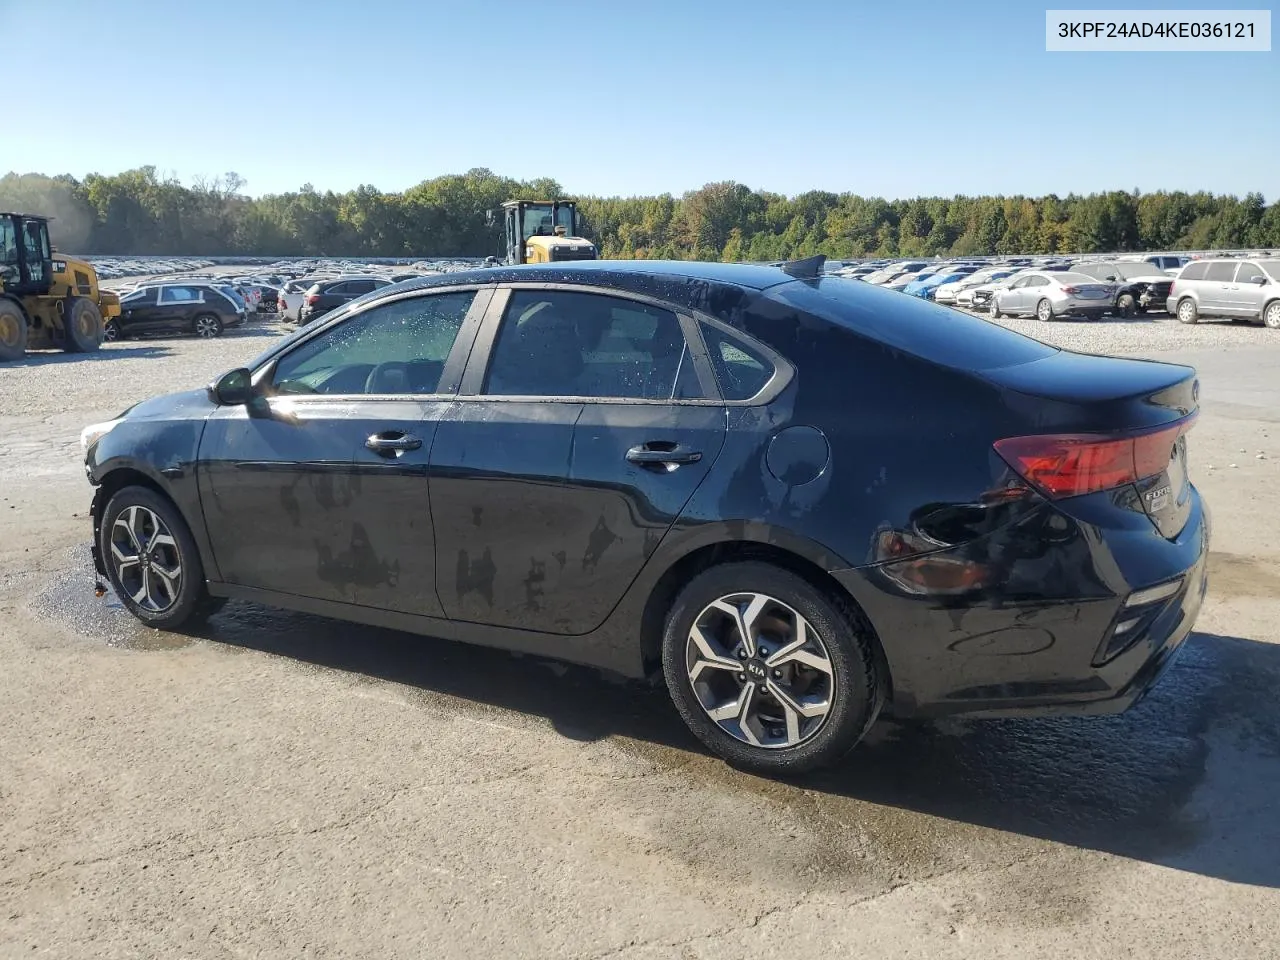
x,y
1171,286
313,299
1068,289
1069,465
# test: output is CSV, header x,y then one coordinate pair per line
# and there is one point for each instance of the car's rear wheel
x,y
1126,306
151,559
1188,312
768,671
1271,315
1044,311
207,326
111,331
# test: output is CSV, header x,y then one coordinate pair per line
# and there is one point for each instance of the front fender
x,y
161,454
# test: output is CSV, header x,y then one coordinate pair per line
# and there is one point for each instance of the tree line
x,y
141,212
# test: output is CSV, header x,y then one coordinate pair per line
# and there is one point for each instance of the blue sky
x,y
895,100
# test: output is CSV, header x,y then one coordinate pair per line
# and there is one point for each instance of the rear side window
x,y
1222,270
560,343
926,330
741,370
1194,271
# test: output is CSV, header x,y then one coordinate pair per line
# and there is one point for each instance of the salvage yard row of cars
x,y
205,305
1229,287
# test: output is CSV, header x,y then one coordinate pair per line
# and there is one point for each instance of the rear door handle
x,y
662,452
392,443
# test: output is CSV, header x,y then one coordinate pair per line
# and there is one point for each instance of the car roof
x,y
608,272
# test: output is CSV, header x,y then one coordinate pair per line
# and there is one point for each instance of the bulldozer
x,y
544,231
46,299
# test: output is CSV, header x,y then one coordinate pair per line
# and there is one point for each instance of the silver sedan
x,y
1049,294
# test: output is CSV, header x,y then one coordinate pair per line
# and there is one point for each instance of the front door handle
x,y
663,453
395,443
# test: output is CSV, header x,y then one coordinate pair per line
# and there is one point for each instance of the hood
x,y
187,403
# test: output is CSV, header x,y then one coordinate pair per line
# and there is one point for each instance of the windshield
x,y
1272,268
539,220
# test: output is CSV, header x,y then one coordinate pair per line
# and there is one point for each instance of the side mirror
x,y
1260,281
232,388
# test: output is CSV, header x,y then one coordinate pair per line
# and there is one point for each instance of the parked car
x,y
1047,296
960,292
1235,289
1140,286
651,467
327,294
980,297
1168,263
292,295
925,288
174,308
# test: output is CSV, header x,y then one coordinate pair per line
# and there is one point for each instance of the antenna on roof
x,y
810,268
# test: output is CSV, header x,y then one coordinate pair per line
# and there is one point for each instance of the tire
x,y
13,331
1271,315
1188,312
168,601
81,325
994,309
111,331
1044,311
1126,306
839,670
207,326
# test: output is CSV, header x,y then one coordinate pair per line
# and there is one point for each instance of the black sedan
x,y
801,499
328,294
163,308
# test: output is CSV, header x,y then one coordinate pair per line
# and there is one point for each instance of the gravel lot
x,y
288,786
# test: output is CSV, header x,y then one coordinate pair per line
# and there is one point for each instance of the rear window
x,y
927,330
1073,277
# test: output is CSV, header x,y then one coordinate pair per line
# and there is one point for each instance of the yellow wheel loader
x,y
46,299
544,231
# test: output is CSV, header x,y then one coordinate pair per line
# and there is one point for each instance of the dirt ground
x,y
287,786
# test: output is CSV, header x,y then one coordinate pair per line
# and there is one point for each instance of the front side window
x,y
563,344
392,349
1248,273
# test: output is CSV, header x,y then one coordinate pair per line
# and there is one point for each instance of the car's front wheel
x,y
767,670
151,559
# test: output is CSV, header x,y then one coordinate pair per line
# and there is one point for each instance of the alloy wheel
x,y
759,670
110,332
207,327
145,555
1044,313
1186,310
1272,317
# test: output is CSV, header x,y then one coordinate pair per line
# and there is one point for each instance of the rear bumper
x,y
1030,640
1082,305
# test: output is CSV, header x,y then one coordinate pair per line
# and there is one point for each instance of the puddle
x,y
71,602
